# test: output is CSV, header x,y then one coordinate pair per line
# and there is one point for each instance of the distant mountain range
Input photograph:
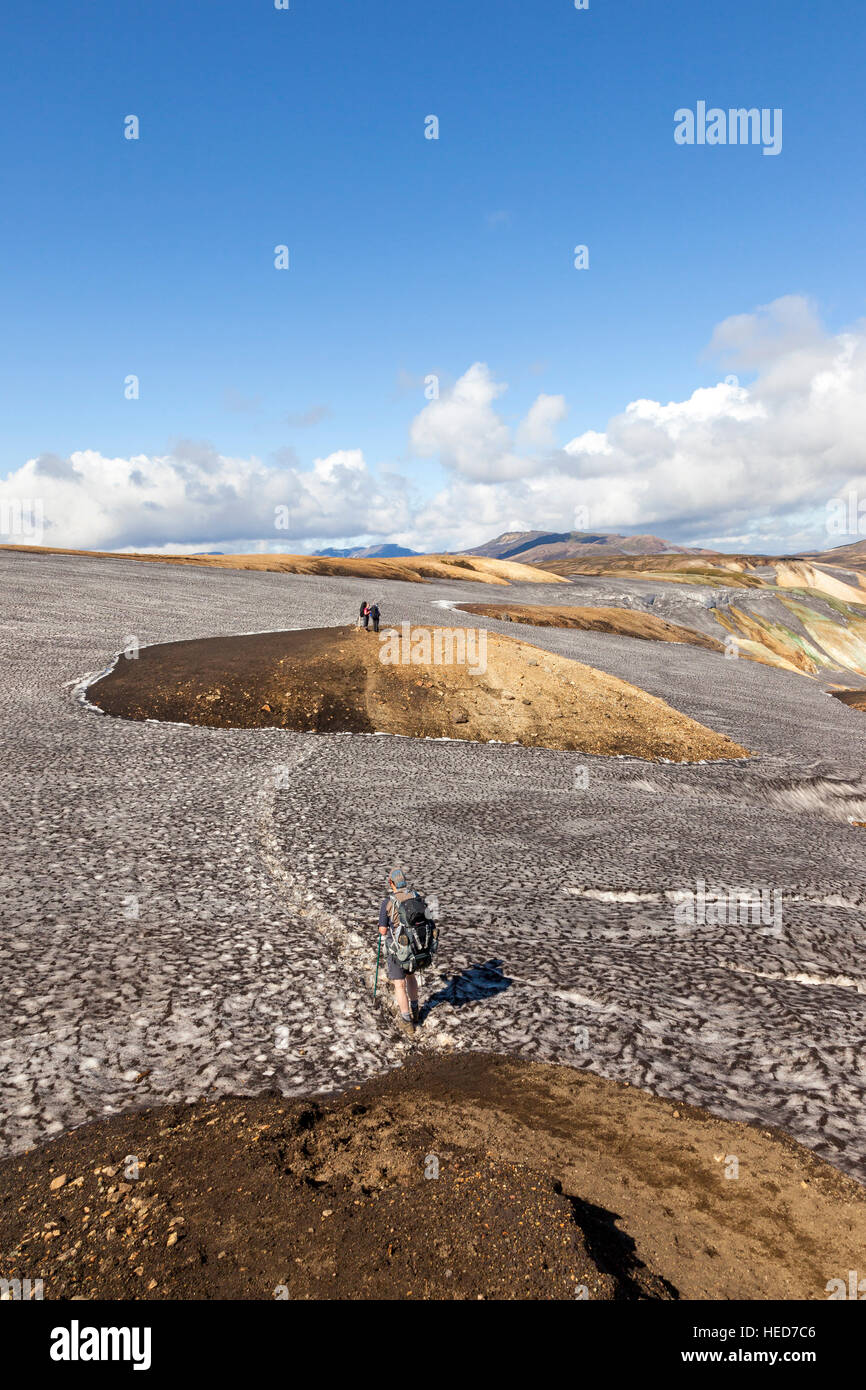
x,y
540,547
371,552
535,547
854,554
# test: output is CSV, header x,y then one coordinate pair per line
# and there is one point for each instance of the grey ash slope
x,y
559,940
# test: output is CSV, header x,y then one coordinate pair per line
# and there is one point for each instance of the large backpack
x,y
413,938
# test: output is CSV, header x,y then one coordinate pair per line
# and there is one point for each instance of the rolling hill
x,y
411,569
539,547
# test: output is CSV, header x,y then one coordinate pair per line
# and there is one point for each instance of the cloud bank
x,y
744,466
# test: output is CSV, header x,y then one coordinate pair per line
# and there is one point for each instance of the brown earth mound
x,y
550,1182
855,698
624,622
338,680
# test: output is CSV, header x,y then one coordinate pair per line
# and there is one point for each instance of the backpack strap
x,y
393,910
396,896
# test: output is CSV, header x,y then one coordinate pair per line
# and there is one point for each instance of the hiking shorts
x,y
393,967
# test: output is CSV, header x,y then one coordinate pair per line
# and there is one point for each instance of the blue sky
x,y
410,256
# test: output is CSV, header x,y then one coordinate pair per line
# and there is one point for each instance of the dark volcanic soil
x,y
552,1184
333,680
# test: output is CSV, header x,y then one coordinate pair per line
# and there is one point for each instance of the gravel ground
x,y
190,911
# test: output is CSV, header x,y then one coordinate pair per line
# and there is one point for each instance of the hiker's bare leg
x,y
404,988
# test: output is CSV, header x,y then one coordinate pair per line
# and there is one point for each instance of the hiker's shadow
x,y
473,984
615,1253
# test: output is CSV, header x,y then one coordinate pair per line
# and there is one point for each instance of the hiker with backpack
x,y
375,615
410,937
364,614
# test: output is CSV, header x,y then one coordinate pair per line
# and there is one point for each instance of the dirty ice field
x,y
188,910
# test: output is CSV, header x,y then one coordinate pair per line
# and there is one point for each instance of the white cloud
x,y
754,463
759,462
195,497
748,341
537,430
464,430
590,442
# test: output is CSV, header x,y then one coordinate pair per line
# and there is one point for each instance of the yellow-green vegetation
x,y
824,643
715,571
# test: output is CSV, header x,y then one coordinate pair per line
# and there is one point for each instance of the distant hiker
x,y
410,938
374,614
364,614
